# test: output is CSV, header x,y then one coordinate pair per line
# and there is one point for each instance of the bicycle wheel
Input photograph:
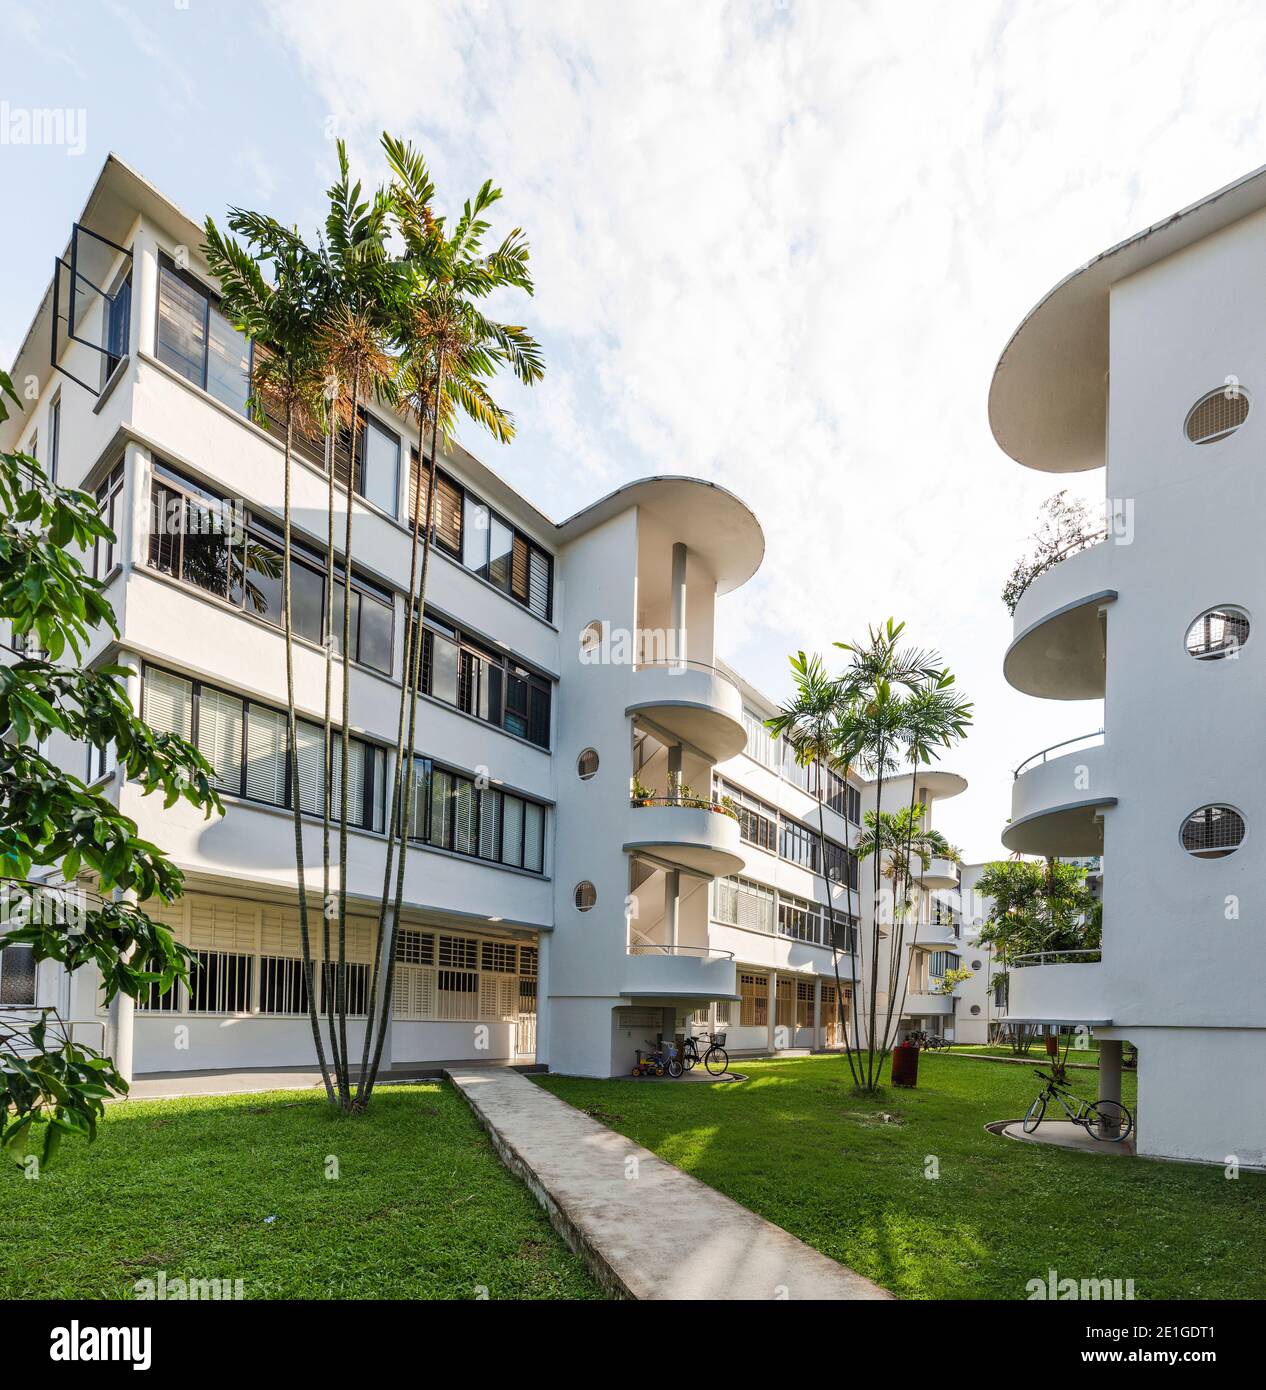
x,y
717,1061
688,1058
675,1068
1109,1122
1033,1117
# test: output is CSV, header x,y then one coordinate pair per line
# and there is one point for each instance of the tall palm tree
x,y
810,724
448,350
278,312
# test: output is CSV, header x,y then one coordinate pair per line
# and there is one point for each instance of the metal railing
x,y
696,803
675,665
1087,957
1091,740
654,948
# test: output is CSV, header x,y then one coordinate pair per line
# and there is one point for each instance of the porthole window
x,y
1218,633
591,641
586,895
975,1008
1218,414
975,965
1213,832
587,764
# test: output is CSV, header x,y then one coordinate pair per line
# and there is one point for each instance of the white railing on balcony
x,y
673,664
1068,745
1085,957
653,948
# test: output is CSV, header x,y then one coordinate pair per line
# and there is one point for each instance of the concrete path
x,y
645,1229
1063,1134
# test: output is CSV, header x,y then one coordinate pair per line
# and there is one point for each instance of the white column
x,y
122,1016
679,599
817,1012
1110,1071
672,900
773,1007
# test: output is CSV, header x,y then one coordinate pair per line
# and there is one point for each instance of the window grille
x,y
1218,633
1212,832
1217,415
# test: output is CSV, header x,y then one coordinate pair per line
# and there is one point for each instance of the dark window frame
x,y
422,833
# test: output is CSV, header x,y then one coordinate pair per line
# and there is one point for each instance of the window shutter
x,y
464,819
220,737
533,836
168,703
512,841
489,822
418,481
519,569
266,755
538,596
309,743
355,784
448,514
441,785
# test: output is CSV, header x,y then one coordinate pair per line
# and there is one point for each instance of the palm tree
x,y
810,724
278,314
448,349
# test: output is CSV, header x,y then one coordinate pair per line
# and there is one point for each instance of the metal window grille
x,y
1213,832
586,895
754,1001
222,983
1217,633
1217,415
283,986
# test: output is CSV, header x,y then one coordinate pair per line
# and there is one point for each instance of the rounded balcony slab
x,y
699,840
1057,805
1057,651
692,702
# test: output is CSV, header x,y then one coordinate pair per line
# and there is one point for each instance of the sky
x,y
777,244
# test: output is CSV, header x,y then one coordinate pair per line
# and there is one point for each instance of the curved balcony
x,y
1057,651
1058,987
701,837
1057,802
692,701
934,936
928,1004
680,973
940,873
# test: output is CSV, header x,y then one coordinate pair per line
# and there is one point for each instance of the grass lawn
x,y
796,1145
421,1208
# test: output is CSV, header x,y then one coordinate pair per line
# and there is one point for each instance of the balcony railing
x,y
672,664
1091,740
696,803
653,948
1086,957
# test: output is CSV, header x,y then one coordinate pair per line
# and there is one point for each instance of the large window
x,y
378,464
754,1001
451,811
470,531
207,540
117,326
484,682
196,340
245,743
767,828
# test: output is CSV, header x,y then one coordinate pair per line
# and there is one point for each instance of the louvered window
x,y
266,755
512,832
168,703
220,737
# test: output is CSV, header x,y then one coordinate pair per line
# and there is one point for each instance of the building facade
x,y
606,846
1148,363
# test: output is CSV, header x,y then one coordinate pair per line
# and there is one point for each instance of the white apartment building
x,y
1149,362
575,885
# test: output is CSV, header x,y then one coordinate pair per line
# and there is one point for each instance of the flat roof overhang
x,y
1058,1022
1048,401
1076,828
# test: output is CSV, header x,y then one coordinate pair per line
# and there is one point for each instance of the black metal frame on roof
x,y
74,275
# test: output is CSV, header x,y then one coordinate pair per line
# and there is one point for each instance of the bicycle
x,y
1105,1120
927,1042
660,1059
715,1058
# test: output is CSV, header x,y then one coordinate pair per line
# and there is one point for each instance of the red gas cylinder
x,y
905,1065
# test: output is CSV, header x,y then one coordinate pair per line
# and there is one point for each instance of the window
x,y
1213,832
801,920
483,682
101,763
754,1001
941,962
744,903
1217,414
106,554
842,797
210,541
760,745
1218,633
758,823
54,436
975,1008
222,983
378,464
17,975
975,965
117,326
450,811
587,764
246,745
804,1004
586,895
196,340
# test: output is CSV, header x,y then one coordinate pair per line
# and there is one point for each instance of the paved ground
x,y
168,1085
645,1229
1062,1134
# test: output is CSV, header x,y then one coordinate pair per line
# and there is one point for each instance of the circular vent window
x,y
1216,415
586,895
975,1008
1217,633
1213,832
975,965
591,641
587,764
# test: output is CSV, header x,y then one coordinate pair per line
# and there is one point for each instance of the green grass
x,y
1037,1054
422,1207
795,1144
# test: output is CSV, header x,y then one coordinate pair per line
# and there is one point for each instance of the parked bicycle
x,y
660,1059
714,1057
1105,1120
927,1042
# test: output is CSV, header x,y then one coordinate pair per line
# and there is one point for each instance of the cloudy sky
x,y
778,244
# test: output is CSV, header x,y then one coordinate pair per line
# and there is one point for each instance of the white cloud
x,y
782,246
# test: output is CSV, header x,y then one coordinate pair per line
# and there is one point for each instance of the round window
x,y
1218,633
591,641
1213,832
586,895
975,965
975,1008
1217,414
587,764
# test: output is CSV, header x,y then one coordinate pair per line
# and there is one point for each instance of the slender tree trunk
x,y
292,753
904,879
830,907
327,737
871,1079
415,679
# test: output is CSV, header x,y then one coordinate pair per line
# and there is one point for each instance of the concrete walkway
x,y
645,1229
1063,1134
